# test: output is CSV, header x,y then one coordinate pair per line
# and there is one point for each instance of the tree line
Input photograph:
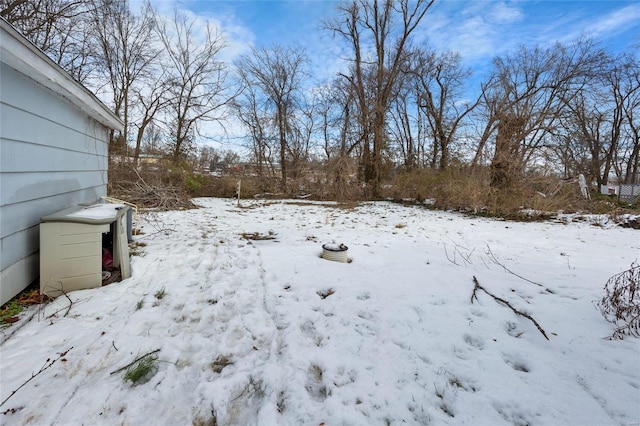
x,y
397,105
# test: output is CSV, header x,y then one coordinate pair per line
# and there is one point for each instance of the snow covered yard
x,y
263,331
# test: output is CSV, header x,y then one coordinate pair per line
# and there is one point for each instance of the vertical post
x,y
238,194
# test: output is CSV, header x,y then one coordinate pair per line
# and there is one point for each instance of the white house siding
x,y
53,154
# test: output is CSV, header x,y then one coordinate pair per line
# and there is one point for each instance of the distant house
x,y
53,152
623,192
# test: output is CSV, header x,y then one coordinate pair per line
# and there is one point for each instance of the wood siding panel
x,y
17,217
13,276
30,238
52,156
82,136
20,157
20,92
23,187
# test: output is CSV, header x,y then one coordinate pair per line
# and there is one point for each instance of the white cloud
x,y
607,27
501,13
615,22
472,31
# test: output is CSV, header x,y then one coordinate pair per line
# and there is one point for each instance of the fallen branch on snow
x,y
477,286
493,258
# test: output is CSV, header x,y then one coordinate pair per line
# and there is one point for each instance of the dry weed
x,y
621,302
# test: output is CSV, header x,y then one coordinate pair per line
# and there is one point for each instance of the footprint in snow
x,y
478,313
517,363
315,386
474,341
512,330
309,330
514,414
365,315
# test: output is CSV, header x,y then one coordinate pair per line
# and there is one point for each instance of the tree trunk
x,y
283,147
504,167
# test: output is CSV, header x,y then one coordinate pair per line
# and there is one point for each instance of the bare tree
x,y
149,100
127,51
428,108
302,131
629,93
439,81
209,158
326,112
407,127
247,108
152,139
524,100
336,106
383,28
274,75
59,28
197,78
600,126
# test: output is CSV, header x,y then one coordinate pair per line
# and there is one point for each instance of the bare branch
x,y
477,287
47,364
495,260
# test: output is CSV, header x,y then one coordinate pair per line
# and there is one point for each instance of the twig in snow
x,y
446,253
246,388
256,388
47,364
466,258
477,286
70,303
134,361
157,224
68,308
493,258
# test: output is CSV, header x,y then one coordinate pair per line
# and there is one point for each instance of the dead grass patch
x,y
325,293
256,236
467,189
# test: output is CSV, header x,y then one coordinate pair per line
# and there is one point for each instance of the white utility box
x,y
72,243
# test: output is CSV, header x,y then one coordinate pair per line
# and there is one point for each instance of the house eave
x,y
20,54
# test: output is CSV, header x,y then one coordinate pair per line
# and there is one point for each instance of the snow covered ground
x,y
266,332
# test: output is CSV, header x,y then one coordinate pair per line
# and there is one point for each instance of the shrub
x,y
194,182
467,189
621,302
459,188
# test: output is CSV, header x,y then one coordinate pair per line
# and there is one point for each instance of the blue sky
x,y
479,30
